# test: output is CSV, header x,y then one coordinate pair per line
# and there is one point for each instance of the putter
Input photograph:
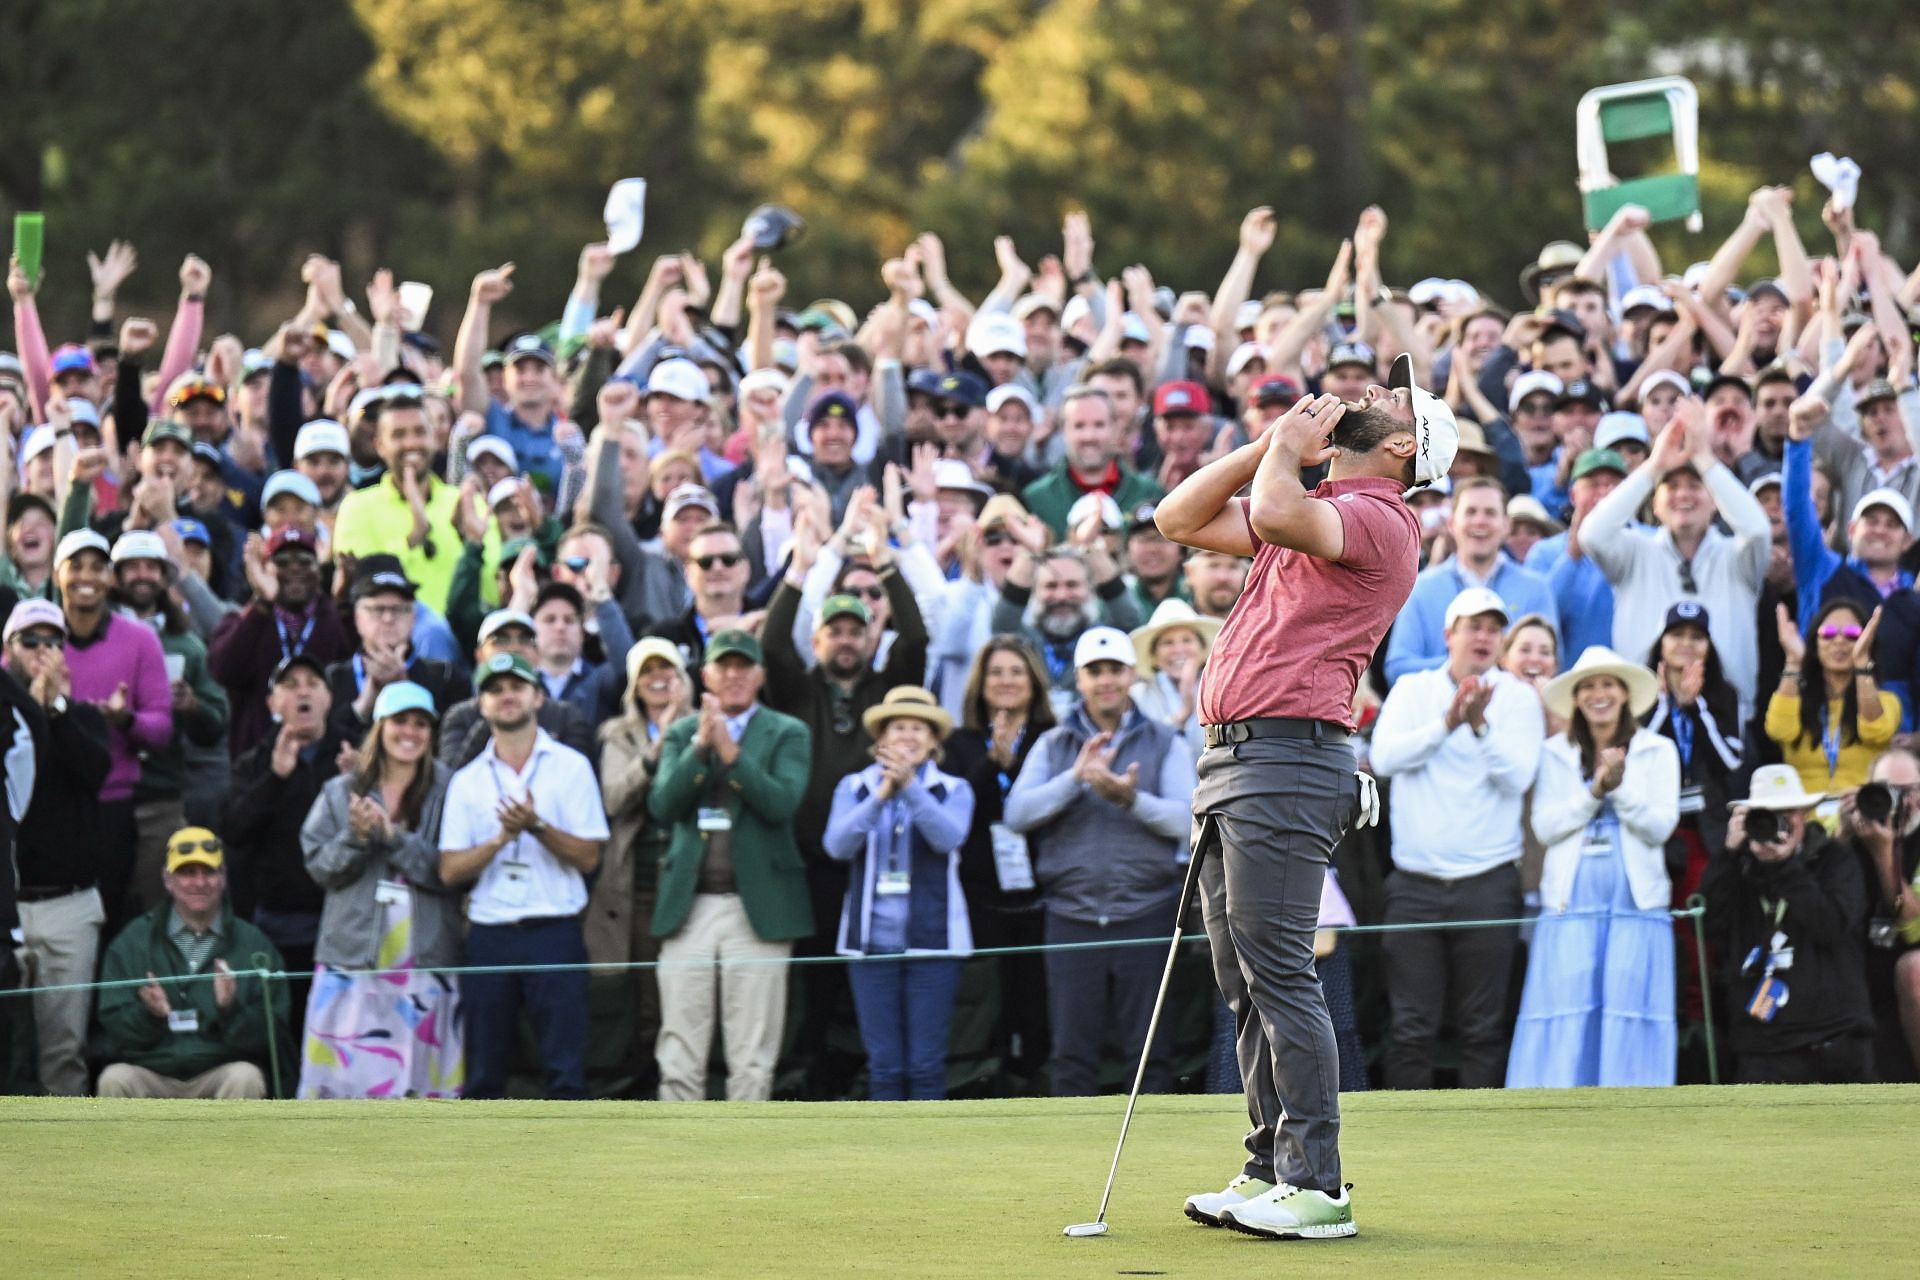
x,y
1098,1227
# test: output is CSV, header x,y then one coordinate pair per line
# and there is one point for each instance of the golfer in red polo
x,y
1277,790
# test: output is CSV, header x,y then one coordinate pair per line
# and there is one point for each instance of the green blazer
x,y
762,791
1052,496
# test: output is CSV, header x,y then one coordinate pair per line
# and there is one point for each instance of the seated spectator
x,y
733,890
383,618
1006,712
1462,740
1171,651
620,911
900,822
521,830
1597,1007
186,1034
372,842
1786,921
1480,527
1105,801
56,849
1828,716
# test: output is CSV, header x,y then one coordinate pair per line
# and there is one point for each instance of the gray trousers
x,y
1470,968
1266,816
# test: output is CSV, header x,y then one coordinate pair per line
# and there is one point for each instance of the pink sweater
x,y
129,653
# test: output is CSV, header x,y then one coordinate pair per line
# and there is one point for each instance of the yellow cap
x,y
194,844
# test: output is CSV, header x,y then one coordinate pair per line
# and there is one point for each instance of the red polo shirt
x,y
1301,635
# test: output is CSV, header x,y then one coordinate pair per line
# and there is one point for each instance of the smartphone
x,y
29,243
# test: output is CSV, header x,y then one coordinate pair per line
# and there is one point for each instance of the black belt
x,y
531,922
1220,735
47,893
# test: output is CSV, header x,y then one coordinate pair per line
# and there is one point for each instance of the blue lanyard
x,y
1683,736
1830,743
360,670
289,646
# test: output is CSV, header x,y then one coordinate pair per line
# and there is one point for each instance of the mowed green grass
x,y
1739,1182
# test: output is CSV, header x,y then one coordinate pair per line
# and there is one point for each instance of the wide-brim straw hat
x,y
1171,614
908,702
1642,688
1778,787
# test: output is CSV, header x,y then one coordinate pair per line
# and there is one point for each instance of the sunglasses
x,y
577,563
996,538
724,559
1833,631
198,390
186,847
950,410
30,642
871,593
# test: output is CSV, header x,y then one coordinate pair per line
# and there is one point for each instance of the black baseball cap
x,y
1687,613
306,660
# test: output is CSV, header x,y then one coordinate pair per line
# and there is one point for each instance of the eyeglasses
x,y
1535,408
387,610
1833,631
186,847
28,641
577,563
724,559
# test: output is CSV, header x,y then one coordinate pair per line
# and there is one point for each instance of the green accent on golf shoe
x,y
1205,1208
1292,1213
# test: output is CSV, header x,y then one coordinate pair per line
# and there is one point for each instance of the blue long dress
x,y
1598,1005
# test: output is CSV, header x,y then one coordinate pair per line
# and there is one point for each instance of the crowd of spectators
x,y
725,633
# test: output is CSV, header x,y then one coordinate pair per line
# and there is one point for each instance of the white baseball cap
x,y
506,618
1533,382
1198,338
1892,499
1134,329
1665,377
1617,426
680,378
1028,304
1103,644
764,379
502,491
322,435
36,442
997,333
998,397
76,542
1248,314
691,495
923,311
493,447
952,473
139,544
341,345
1243,355
1076,310
1436,434
1645,295
1473,602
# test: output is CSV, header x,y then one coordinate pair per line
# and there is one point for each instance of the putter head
x,y
1079,1229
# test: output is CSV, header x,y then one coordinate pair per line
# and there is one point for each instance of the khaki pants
x,y
63,945
698,964
228,1080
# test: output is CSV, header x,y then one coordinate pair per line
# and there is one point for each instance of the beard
x,y
1065,621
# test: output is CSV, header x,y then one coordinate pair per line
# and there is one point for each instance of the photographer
x,y
1882,821
1787,919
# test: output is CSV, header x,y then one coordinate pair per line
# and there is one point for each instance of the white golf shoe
x,y
1205,1208
1292,1213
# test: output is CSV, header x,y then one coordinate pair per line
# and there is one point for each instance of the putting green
x,y
1683,1181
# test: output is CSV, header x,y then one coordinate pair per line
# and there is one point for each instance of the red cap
x,y
1181,397
291,535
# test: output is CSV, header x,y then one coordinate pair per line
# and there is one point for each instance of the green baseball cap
x,y
1600,460
510,551
505,664
742,644
844,606
168,429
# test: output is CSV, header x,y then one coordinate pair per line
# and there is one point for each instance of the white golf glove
x,y
1369,800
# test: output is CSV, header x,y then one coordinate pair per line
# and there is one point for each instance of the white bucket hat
x,y
1777,787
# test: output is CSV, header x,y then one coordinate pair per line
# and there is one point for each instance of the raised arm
x,y
1257,231
470,344
1202,512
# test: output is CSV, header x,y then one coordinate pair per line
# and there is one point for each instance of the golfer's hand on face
x,y
1304,429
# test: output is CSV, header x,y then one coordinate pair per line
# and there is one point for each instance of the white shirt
x,y
1456,796
524,881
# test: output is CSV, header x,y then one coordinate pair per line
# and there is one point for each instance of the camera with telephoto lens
x,y
1763,826
1874,802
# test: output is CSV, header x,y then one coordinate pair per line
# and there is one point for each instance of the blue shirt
x,y
1419,639
534,447
1815,564
1582,594
1546,488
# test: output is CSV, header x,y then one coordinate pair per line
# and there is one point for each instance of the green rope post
x,y
265,974
1697,911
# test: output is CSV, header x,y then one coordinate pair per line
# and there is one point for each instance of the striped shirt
x,y
197,948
